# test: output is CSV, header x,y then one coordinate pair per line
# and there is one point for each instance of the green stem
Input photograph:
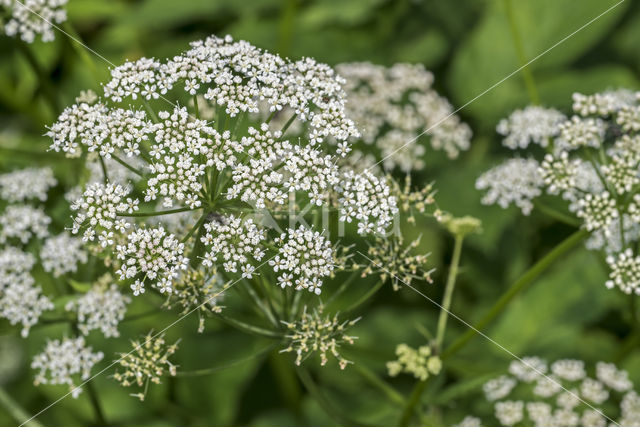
x,y
448,291
557,215
157,213
246,327
418,389
104,169
271,116
286,381
522,58
518,286
150,111
414,399
343,286
125,164
366,296
196,226
328,407
47,90
195,106
380,384
16,411
80,49
214,369
286,125
287,21
93,396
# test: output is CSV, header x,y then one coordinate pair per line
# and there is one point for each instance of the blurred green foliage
x,y
469,46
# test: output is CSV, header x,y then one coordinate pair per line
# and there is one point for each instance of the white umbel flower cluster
x,y
26,184
232,241
395,106
367,200
100,129
238,76
63,361
61,254
561,394
625,272
531,125
516,181
22,222
21,300
102,307
592,161
604,103
97,212
304,258
29,18
151,254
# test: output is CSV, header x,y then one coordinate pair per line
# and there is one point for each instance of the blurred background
x,y
469,46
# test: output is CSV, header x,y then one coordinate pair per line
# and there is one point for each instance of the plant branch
x,y
214,369
448,292
328,407
125,164
527,75
16,411
518,286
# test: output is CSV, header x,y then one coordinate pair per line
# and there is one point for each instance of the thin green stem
x,y
527,75
271,116
414,399
195,106
366,296
518,286
448,291
286,381
125,164
557,215
373,379
246,327
155,213
95,402
288,124
328,407
43,78
104,169
81,50
214,369
418,389
343,286
150,111
16,411
196,226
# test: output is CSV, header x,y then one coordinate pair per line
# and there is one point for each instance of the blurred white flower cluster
x,y
22,300
28,18
591,160
561,394
63,361
25,241
393,107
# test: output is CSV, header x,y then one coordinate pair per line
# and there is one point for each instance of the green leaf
x,y
489,55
